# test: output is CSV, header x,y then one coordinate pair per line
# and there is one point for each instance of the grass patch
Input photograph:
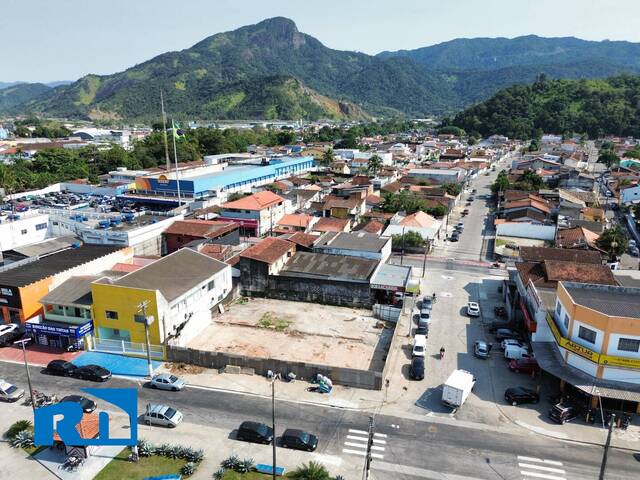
x,y
121,469
270,320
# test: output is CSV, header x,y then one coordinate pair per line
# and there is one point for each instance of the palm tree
x,y
374,165
328,157
311,471
8,181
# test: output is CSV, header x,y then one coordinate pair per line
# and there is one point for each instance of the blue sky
x,y
46,40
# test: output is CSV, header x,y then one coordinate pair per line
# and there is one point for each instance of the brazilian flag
x,y
177,132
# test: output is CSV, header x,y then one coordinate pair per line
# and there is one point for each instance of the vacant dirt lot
x,y
296,331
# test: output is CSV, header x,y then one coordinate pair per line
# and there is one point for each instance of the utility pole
x,y
424,259
26,366
273,424
142,307
603,466
164,131
175,158
367,461
402,252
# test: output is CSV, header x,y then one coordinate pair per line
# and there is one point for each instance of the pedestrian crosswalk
x,y
532,468
355,443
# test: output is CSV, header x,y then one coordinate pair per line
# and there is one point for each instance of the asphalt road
x,y
414,449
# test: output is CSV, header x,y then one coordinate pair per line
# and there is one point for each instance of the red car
x,y
465,211
524,365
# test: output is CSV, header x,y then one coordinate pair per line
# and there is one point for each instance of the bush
x,y
145,448
188,469
218,474
23,439
195,456
311,471
230,463
18,427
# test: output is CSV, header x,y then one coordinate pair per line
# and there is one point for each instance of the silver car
x,y
166,381
162,415
481,349
9,392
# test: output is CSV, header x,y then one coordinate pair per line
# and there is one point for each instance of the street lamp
x,y
26,366
146,320
273,423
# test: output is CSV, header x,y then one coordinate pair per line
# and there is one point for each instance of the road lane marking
x,y
362,453
381,435
540,467
539,460
382,442
353,437
359,445
361,432
542,475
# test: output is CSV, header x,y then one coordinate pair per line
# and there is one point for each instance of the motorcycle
x,y
500,312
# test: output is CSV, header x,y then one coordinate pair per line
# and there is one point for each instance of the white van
x,y
516,352
419,345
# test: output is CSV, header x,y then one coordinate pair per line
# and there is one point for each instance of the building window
x,y
587,334
111,315
629,345
41,226
23,232
210,285
558,309
566,321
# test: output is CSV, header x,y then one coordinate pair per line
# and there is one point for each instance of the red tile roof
x,y
200,228
88,427
257,201
373,226
576,237
295,220
218,252
540,254
331,225
269,250
303,239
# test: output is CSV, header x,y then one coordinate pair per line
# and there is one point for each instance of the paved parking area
x,y
36,355
298,331
117,364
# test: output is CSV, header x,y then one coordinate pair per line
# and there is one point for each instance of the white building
x,y
24,229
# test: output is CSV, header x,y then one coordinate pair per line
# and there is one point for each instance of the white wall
x,y
18,233
621,374
597,346
581,363
612,348
526,230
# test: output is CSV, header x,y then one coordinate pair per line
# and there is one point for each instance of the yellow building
x,y
178,292
594,330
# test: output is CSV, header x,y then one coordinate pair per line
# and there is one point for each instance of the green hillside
x,y
594,107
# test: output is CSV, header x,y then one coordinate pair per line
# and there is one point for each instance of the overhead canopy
x,y
550,361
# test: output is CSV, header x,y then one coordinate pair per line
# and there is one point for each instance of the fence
x,y
386,312
366,379
127,348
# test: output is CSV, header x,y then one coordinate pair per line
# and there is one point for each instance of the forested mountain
x,y
20,93
596,107
271,69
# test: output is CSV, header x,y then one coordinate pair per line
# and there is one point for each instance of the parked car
x,y
166,381
87,404
498,324
423,330
481,349
524,365
255,432
454,237
518,395
94,373
424,318
563,413
9,392
299,440
61,368
504,333
516,352
465,212
512,341
13,335
473,309
416,370
162,415
460,226
419,346
8,328
426,304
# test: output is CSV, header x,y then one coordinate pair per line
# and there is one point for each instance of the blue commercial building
x,y
233,178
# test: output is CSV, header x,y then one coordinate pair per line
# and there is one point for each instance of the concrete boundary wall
x,y
351,377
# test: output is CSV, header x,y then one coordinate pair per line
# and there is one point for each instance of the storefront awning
x,y
550,360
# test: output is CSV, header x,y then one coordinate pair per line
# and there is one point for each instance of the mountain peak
x,y
279,24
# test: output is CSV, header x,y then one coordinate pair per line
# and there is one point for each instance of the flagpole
x,y
175,157
164,131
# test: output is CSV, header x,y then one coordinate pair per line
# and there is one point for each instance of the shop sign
x,y
76,332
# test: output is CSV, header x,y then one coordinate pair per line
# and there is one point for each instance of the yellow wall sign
x,y
595,357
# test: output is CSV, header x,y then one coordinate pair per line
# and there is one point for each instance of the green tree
x,y
374,165
328,156
451,130
529,180
452,188
438,211
613,241
608,157
8,180
411,239
633,153
310,471
501,183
